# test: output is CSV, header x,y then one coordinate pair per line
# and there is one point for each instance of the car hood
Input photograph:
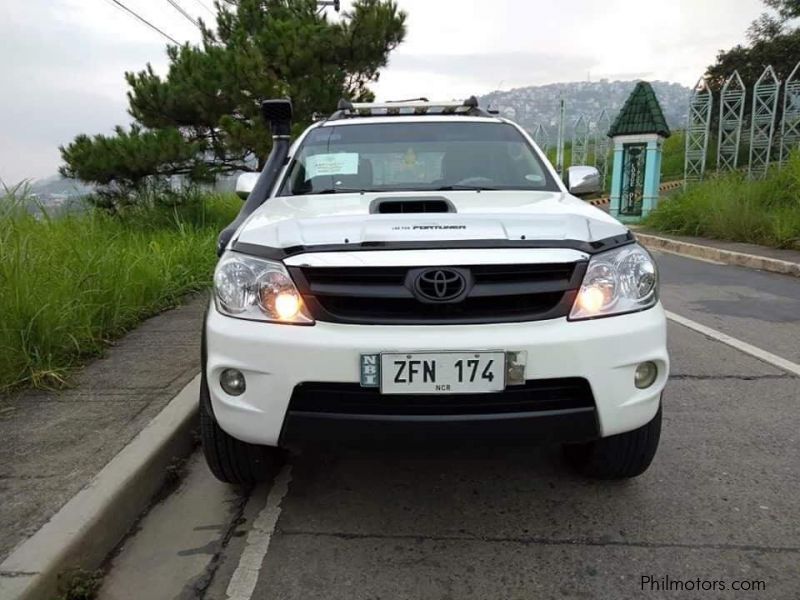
x,y
312,220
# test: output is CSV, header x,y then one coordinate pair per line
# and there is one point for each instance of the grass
x,y
79,585
69,285
672,157
730,207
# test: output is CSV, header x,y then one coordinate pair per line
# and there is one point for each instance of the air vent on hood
x,y
433,204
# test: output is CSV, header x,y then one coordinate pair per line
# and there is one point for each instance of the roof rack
x,y
346,109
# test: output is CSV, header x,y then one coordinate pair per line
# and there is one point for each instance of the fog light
x,y
232,381
645,375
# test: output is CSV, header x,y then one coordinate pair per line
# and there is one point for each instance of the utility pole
x,y
560,139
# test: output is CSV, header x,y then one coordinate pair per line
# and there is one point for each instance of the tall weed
x,y
70,284
731,207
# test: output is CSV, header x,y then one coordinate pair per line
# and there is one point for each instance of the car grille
x,y
535,396
383,295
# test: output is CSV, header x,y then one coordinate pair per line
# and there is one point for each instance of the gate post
x,y
638,134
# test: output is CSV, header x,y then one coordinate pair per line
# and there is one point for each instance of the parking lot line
x,y
738,344
245,577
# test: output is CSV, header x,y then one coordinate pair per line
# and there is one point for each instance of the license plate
x,y
442,372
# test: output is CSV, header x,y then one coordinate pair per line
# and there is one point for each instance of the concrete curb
x,y
670,185
88,527
729,257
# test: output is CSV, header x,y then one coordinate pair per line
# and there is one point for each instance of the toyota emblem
x,y
440,285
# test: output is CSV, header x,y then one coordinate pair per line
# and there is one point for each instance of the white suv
x,y
417,272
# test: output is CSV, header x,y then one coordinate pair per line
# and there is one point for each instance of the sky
x,y
62,61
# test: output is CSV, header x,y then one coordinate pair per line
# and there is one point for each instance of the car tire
x,y
619,456
232,460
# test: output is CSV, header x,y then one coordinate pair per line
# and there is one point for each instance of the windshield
x,y
415,156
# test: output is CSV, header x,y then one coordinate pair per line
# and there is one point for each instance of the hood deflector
x,y
583,246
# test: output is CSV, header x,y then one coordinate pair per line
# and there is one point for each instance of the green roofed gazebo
x,y
638,134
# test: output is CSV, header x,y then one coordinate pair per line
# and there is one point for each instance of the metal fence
x,y
771,135
590,143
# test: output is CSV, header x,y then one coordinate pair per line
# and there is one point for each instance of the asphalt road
x,y
720,506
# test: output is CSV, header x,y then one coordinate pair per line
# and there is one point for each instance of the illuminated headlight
x,y
618,281
261,290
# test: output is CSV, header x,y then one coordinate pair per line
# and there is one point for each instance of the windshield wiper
x,y
444,188
456,187
340,190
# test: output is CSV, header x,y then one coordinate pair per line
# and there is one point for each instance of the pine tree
x,y
202,118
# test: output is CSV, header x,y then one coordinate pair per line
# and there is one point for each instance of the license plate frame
x,y
481,372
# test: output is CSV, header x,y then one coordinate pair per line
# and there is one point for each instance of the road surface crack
x,y
532,541
203,582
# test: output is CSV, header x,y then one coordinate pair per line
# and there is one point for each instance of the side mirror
x,y
582,181
245,184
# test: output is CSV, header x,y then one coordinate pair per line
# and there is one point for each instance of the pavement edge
x,y
91,524
729,257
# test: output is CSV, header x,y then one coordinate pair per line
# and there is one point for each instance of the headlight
x,y
618,281
257,289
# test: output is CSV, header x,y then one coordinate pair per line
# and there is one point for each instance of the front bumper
x,y
540,409
276,358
